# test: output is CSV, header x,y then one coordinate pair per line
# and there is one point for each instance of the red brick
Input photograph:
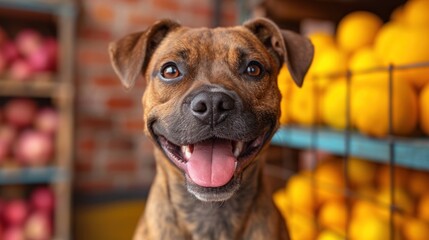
x,y
170,5
107,81
102,12
115,103
201,10
120,143
91,186
93,33
133,125
83,166
89,56
86,144
118,166
141,21
93,122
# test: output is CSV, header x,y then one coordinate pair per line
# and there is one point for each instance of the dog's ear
x,y
130,55
293,49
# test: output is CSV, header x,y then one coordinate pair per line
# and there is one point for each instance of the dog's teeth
x,y
186,150
238,148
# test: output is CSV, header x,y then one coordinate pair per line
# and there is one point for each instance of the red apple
x,y
20,112
45,57
13,233
34,148
3,63
15,212
9,51
43,199
7,133
28,41
47,120
38,226
51,46
21,70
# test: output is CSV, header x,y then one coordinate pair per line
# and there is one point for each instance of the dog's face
x,y
212,102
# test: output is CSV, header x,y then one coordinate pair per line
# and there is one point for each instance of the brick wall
x,y
111,151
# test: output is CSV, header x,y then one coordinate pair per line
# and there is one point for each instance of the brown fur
x,y
211,59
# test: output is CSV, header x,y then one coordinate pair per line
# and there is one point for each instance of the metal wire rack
x,y
348,143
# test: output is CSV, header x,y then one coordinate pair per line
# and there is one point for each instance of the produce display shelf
x,y
45,88
56,7
31,175
407,152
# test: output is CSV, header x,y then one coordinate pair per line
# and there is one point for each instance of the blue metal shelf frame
x,y
57,7
32,175
408,152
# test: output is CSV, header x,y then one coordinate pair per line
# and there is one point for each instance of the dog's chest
x,y
213,220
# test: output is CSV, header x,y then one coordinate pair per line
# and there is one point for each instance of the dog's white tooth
x,y
186,151
238,148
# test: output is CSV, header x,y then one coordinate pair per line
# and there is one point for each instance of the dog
x,y
211,106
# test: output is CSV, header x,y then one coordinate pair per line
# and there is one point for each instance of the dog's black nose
x,y
212,107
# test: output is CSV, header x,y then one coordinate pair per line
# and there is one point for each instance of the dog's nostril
x,y
199,107
200,104
225,104
211,107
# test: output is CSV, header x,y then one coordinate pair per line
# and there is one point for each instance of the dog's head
x,y
211,102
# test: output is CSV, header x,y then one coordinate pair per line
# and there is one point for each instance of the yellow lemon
x,y
385,39
358,29
423,207
363,63
330,61
300,194
368,191
401,176
329,235
329,179
371,228
402,199
418,183
334,215
333,105
408,48
321,41
305,104
286,86
424,109
302,227
361,209
415,229
397,14
281,201
416,13
361,173
370,108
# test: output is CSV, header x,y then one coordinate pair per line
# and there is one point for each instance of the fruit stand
x,y
36,118
360,122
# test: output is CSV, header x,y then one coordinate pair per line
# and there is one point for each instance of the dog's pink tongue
x,y
212,163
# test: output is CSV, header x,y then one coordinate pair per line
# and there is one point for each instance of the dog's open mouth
x,y
212,163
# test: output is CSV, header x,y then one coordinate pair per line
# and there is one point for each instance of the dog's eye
x,y
170,71
254,69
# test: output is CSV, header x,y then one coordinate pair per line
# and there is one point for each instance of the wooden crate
x,y
59,88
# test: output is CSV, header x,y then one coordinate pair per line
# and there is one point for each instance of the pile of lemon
x,y
314,204
362,45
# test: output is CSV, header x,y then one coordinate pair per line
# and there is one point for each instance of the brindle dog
x,y
211,106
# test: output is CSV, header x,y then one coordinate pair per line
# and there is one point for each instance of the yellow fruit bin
x,y
362,120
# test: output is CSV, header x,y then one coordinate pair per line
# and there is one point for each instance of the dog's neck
x,y
207,220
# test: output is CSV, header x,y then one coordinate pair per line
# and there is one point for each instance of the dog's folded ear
x,y
293,49
131,54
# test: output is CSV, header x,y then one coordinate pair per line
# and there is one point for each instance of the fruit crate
x,y
53,88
